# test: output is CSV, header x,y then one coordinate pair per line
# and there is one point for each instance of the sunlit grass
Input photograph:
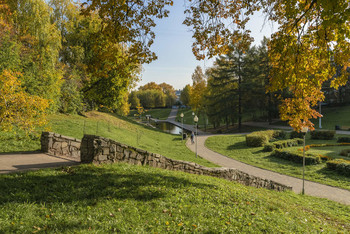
x,y
121,198
234,146
155,113
117,128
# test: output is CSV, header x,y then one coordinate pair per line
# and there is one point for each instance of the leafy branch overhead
x,y
130,22
310,47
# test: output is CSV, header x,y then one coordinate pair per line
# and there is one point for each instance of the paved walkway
x,y
311,188
30,161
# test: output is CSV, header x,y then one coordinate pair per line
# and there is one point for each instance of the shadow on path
x,y
24,161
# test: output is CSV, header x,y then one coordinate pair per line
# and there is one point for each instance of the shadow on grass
x,y
88,184
282,161
178,139
333,174
238,145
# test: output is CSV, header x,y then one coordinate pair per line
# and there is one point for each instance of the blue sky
x,y
176,63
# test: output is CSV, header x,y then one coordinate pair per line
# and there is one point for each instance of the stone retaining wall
x,y
98,150
59,145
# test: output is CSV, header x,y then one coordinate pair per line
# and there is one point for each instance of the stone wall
x,y
58,145
98,150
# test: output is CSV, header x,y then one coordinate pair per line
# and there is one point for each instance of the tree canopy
x,y
311,45
90,55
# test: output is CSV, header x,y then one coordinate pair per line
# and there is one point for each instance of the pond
x,y
169,128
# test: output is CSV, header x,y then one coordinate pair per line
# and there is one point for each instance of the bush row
x,y
322,135
269,147
310,159
344,140
340,165
295,134
260,138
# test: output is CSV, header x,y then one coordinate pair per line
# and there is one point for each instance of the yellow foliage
x,y
18,108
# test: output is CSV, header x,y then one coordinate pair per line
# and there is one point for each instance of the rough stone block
x,y
140,157
75,144
113,148
126,154
133,154
57,145
102,157
105,151
64,144
65,151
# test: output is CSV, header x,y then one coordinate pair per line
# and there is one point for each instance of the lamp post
x,y
195,119
182,122
304,130
193,116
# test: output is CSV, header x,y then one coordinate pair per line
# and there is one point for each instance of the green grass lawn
x,y
121,198
120,129
155,113
234,146
334,116
188,117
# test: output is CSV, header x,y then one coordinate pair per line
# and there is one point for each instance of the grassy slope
x,y
155,113
106,125
234,146
133,199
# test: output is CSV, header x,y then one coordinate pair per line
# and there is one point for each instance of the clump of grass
x,y
132,199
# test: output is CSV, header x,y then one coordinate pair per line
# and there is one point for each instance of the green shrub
x,y
269,147
282,144
310,159
256,139
343,140
279,134
340,165
322,135
295,134
261,138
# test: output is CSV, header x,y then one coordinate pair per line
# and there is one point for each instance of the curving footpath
x,y
311,188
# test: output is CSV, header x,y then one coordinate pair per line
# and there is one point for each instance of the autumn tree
x,y
17,107
151,98
169,92
312,36
130,23
39,41
134,100
151,86
197,91
185,95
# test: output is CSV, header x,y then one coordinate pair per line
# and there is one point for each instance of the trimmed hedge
x,y
282,144
295,134
343,140
310,159
340,165
322,135
260,138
